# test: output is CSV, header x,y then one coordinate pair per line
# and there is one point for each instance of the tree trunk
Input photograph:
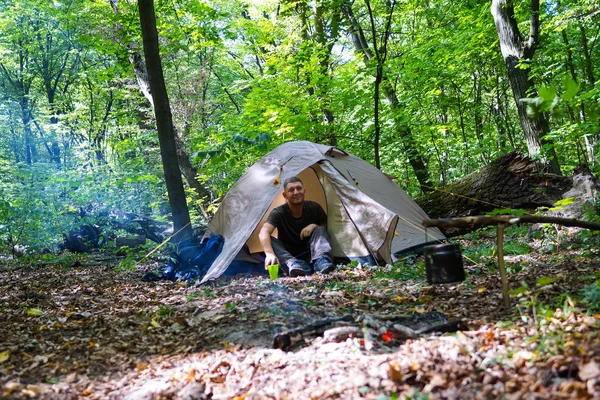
x,y
189,171
477,117
415,158
15,140
380,55
377,136
31,154
514,50
325,42
164,123
571,69
589,150
588,59
323,38
409,144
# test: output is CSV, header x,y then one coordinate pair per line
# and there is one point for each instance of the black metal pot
x,y
443,263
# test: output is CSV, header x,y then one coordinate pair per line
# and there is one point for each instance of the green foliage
x,y
507,211
348,287
127,264
206,292
544,281
417,395
478,251
29,208
591,296
591,211
244,77
405,270
550,101
514,248
164,311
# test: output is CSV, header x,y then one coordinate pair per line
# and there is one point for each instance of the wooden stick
x,y
484,220
502,267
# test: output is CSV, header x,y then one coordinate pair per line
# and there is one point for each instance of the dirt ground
x,y
89,331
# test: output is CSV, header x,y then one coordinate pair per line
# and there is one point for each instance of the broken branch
x,y
485,220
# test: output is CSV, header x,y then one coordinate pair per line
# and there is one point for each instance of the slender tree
x,y
361,44
188,170
326,20
515,50
164,121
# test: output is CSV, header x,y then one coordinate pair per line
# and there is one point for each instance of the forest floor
x,y
79,328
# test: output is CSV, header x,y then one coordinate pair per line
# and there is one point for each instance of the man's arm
x,y
320,219
265,240
308,230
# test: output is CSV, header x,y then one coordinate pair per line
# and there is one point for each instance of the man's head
x,y
293,190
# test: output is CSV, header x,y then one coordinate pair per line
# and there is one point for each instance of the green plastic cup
x,y
273,270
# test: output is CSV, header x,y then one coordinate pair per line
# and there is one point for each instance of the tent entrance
x,y
345,239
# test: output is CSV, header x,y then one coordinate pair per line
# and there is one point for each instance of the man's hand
x,y
270,259
306,232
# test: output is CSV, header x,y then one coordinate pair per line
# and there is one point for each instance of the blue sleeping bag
x,y
191,261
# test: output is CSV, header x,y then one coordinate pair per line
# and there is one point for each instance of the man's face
x,y
294,193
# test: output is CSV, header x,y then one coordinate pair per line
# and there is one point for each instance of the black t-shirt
x,y
289,228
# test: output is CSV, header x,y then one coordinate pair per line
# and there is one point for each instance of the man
x,y
303,244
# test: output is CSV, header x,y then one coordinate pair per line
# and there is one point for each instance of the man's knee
x,y
319,230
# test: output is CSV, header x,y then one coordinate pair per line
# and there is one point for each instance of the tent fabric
x,y
367,213
372,219
347,241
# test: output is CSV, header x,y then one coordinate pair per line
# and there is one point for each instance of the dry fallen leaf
x,y
140,366
573,389
436,381
394,372
11,386
154,322
589,371
110,329
88,390
31,392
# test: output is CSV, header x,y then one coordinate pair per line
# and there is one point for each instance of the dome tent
x,y
368,215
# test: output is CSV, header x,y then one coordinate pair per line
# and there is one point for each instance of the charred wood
x,y
374,330
288,339
341,333
132,243
82,239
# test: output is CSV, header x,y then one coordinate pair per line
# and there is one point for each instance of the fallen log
x,y
140,225
508,182
82,239
288,339
372,329
131,242
341,333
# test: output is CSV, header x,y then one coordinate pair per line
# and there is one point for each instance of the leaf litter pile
x,y
88,331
